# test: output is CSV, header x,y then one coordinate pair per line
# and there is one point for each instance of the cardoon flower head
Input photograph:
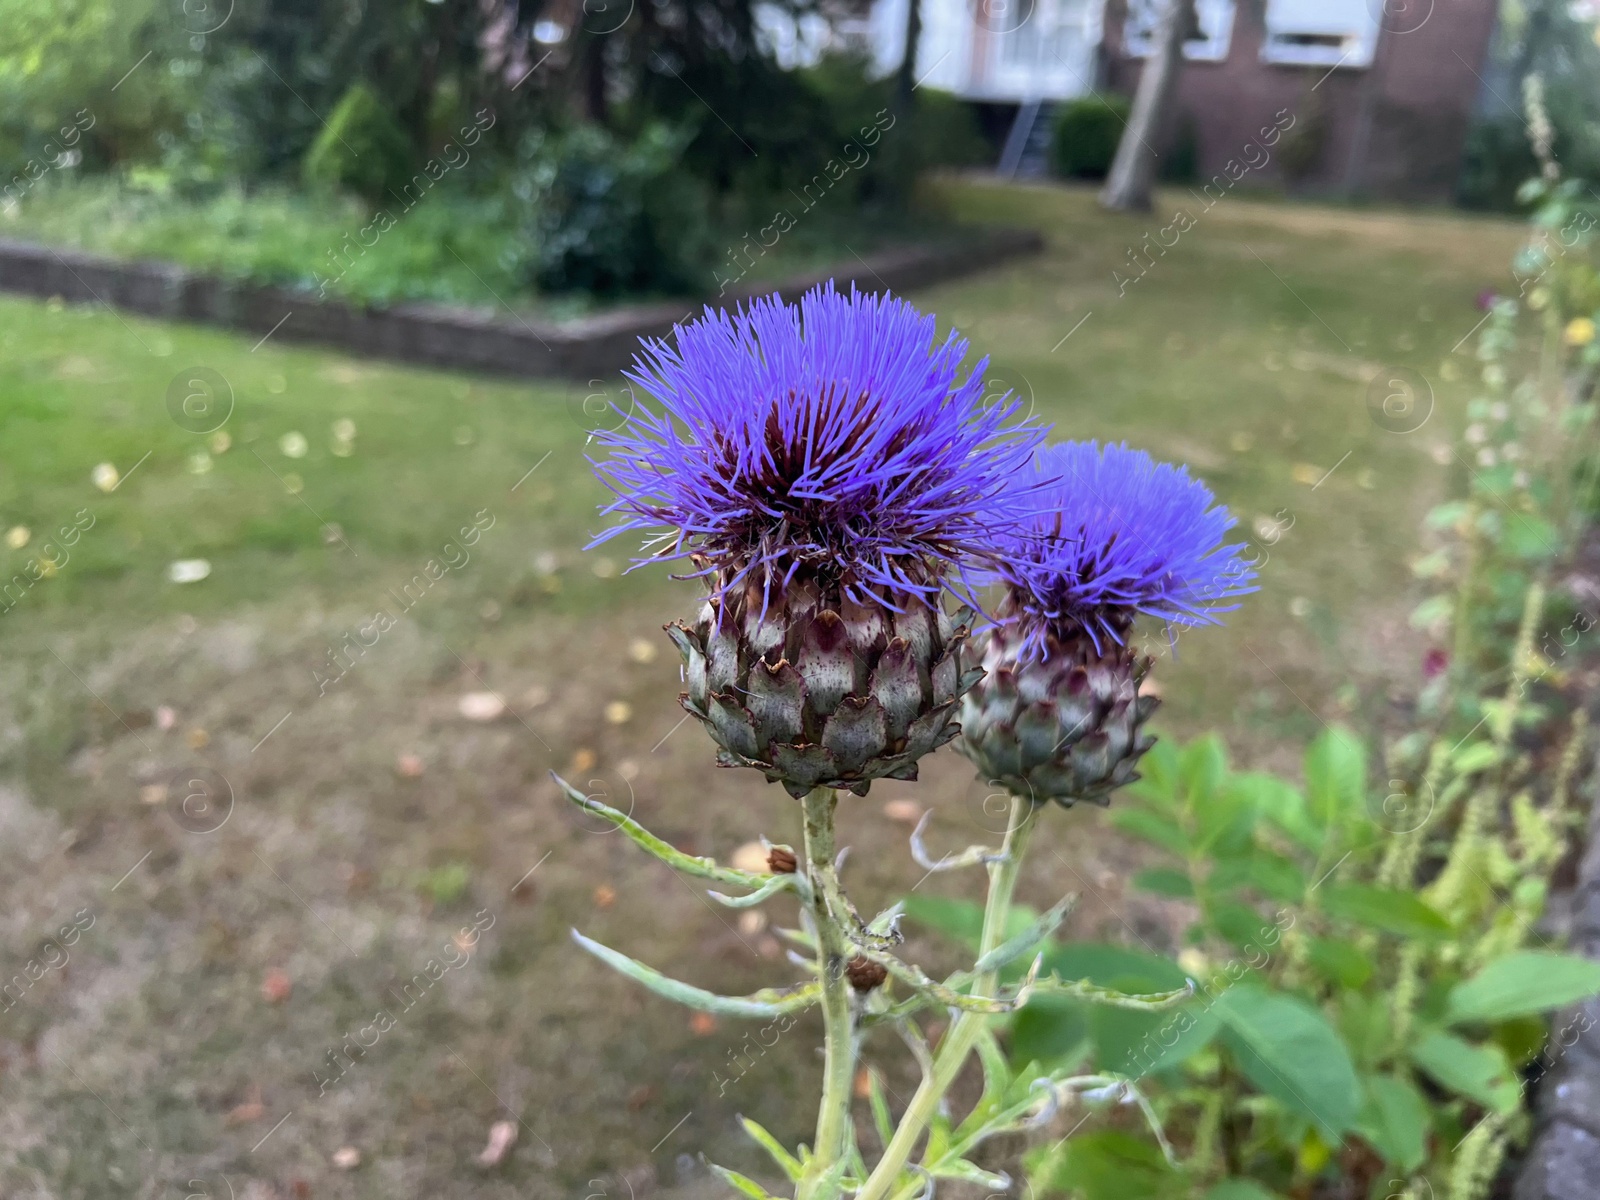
x,y
1114,534
1110,534
825,467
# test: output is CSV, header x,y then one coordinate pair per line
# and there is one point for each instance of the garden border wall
x,y
1563,1160
441,335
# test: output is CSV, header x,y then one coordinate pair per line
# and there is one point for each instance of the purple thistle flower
x,y
1111,534
836,441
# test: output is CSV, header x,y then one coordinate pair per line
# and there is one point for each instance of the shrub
x,y
613,216
1086,135
362,149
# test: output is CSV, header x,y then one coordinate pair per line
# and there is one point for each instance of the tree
x,y
1133,171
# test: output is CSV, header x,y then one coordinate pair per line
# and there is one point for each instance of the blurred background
x,y
300,617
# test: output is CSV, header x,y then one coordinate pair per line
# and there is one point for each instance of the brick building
x,y
1377,94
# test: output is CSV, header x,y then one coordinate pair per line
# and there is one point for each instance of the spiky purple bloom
x,y
836,439
826,467
1113,534
1059,714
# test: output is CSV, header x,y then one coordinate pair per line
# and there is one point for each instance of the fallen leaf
x,y
752,922
605,896
702,1024
752,857
481,706
502,1136
906,810
347,1158
188,570
410,766
276,985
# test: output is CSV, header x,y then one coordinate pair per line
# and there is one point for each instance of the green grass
x,y
1242,352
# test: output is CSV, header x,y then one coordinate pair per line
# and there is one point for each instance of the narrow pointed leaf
x,y
768,1002
881,1120
745,1185
705,868
1083,990
778,883
1014,948
788,1163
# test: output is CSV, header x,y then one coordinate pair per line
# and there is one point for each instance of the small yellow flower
x,y
1580,331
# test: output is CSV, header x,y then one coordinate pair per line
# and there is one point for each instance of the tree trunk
x,y
1133,171
906,77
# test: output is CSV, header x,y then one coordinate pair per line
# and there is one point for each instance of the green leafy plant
x,y
612,216
362,149
1365,988
1086,134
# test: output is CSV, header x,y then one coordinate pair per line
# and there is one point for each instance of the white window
x,y
1209,45
1321,33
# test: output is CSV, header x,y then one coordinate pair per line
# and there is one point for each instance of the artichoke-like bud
x,y
826,467
1111,534
820,691
1067,727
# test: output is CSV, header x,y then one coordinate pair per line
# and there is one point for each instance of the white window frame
x,y
1216,30
1356,27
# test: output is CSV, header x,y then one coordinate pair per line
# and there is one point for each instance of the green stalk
x,y
838,1072
958,1043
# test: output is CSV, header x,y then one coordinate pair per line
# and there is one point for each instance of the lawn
x,y
350,822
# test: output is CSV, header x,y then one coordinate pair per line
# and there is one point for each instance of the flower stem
x,y
958,1043
833,951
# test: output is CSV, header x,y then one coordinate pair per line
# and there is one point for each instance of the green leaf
x,y
962,919
768,1002
1163,882
958,919
1474,757
1107,1166
1202,766
1240,1189
1048,1029
1288,1050
1480,1073
1158,781
1126,1041
1283,806
1338,961
1270,874
1336,778
1157,829
1387,910
743,1183
1433,611
1529,981
881,1120
1396,1121
1242,926
787,1163
705,868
